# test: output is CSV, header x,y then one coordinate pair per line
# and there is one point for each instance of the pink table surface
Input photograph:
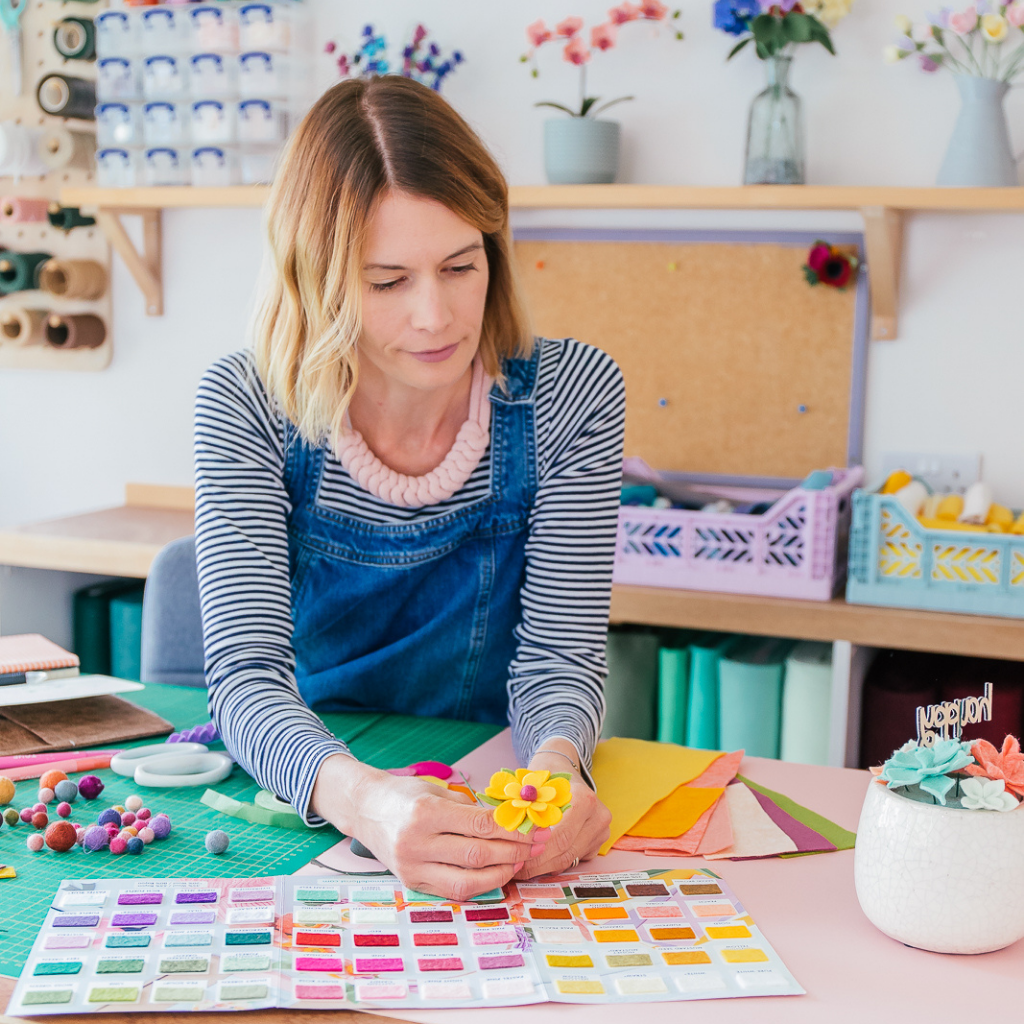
x,y
808,910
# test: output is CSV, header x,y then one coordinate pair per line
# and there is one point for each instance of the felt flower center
x,y
528,793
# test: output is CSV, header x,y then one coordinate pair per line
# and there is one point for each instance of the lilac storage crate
x,y
796,549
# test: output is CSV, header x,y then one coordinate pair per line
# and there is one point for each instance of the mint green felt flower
x,y
927,767
986,795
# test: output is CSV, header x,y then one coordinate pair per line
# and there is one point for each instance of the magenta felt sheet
x,y
806,839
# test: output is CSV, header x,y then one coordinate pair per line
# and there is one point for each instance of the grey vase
x,y
979,154
581,150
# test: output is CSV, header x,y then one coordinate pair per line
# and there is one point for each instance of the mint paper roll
x,y
18,270
750,695
807,704
702,715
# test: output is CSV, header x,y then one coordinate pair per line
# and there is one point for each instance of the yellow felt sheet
x,y
633,775
676,814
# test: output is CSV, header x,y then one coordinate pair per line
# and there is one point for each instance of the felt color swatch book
x,y
307,942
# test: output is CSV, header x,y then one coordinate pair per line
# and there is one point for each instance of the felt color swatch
x,y
633,775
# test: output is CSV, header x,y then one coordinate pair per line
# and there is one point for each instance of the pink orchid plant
x,y
578,48
985,40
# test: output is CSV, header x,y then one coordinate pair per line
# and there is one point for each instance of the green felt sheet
x,y
838,836
385,741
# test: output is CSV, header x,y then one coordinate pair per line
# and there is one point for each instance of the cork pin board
x,y
733,364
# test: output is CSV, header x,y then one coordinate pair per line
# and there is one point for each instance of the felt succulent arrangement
x,y
832,265
524,800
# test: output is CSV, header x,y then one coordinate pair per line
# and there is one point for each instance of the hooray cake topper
x,y
936,721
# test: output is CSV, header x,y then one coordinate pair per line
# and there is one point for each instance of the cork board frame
x,y
734,365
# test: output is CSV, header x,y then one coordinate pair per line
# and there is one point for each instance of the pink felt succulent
x,y
1006,764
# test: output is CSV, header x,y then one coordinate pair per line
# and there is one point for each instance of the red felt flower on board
x,y
834,265
1006,764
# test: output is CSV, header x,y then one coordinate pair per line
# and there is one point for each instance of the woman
x,y
403,503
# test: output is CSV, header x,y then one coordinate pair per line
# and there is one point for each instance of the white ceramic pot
x,y
938,878
581,150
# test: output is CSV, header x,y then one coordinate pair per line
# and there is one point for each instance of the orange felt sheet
x,y
676,814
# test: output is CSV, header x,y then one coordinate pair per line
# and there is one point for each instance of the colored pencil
x,y
24,760
82,764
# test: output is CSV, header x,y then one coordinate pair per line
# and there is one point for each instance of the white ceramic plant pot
x,y
581,150
938,878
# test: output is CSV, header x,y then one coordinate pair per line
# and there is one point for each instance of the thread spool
x,y
75,39
66,218
67,96
19,156
75,330
19,270
73,279
22,327
977,502
60,148
23,210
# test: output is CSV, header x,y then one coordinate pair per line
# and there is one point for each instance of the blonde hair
x,y
359,140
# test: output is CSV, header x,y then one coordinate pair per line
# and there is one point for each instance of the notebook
x,y
30,652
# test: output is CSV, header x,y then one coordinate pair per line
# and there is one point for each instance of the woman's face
x,y
424,290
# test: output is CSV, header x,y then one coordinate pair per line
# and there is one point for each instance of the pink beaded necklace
x,y
441,482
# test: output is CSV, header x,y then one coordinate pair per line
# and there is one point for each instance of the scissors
x,y
10,17
172,765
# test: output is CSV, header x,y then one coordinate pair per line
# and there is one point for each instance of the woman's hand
x,y
434,840
583,828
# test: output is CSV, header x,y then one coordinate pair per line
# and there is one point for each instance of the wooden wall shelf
x,y
882,209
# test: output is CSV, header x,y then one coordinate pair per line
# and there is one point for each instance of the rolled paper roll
x,y
65,218
977,502
73,279
23,210
60,148
75,39
18,151
75,330
912,497
19,270
950,507
67,96
22,327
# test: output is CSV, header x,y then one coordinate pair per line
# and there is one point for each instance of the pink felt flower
x,y
538,32
623,13
576,51
965,22
1015,15
1006,764
569,27
602,37
819,256
653,10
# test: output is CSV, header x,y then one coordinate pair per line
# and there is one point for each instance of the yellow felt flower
x,y
528,794
995,28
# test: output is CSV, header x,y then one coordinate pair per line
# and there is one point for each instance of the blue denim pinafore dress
x,y
415,618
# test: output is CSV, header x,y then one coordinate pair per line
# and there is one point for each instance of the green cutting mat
x,y
385,741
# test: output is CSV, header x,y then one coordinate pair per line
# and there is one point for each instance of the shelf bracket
x,y
146,267
883,236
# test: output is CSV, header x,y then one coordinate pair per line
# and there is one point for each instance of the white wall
x,y
69,442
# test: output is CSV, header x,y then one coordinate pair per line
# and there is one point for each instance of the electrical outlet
x,y
945,474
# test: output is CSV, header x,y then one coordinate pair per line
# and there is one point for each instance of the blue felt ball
x,y
66,790
135,845
111,816
217,841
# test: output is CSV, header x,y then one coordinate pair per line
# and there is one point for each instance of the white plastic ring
x,y
127,761
179,770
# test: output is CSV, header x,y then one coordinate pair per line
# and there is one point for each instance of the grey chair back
x,y
172,626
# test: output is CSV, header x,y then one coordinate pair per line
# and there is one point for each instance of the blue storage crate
x,y
896,562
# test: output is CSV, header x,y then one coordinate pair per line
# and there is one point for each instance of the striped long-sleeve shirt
x,y
556,679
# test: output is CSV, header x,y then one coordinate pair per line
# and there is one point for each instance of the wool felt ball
x,y
136,845
133,803
66,790
132,830
111,829
34,842
26,814
38,807
110,815
127,818
46,796
79,834
11,816
64,809
49,780
7,789
143,814
146,835
60,836
95,838
161,826
118,845
40,819
119,808
90,786
217,841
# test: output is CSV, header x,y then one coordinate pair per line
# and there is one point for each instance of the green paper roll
x,y
90,623
673,690
126,635
67,96
19,270
65,218
251,812
750,694
75,39
631,691
702,715
807,704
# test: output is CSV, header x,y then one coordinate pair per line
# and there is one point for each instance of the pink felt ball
x,y
79,834
146,835
143,814
111,828
64,809
90,786
26,814
39,807
118,845
127,818
45,796
35,842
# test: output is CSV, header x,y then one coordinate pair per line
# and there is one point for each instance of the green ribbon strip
x,y
253,812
